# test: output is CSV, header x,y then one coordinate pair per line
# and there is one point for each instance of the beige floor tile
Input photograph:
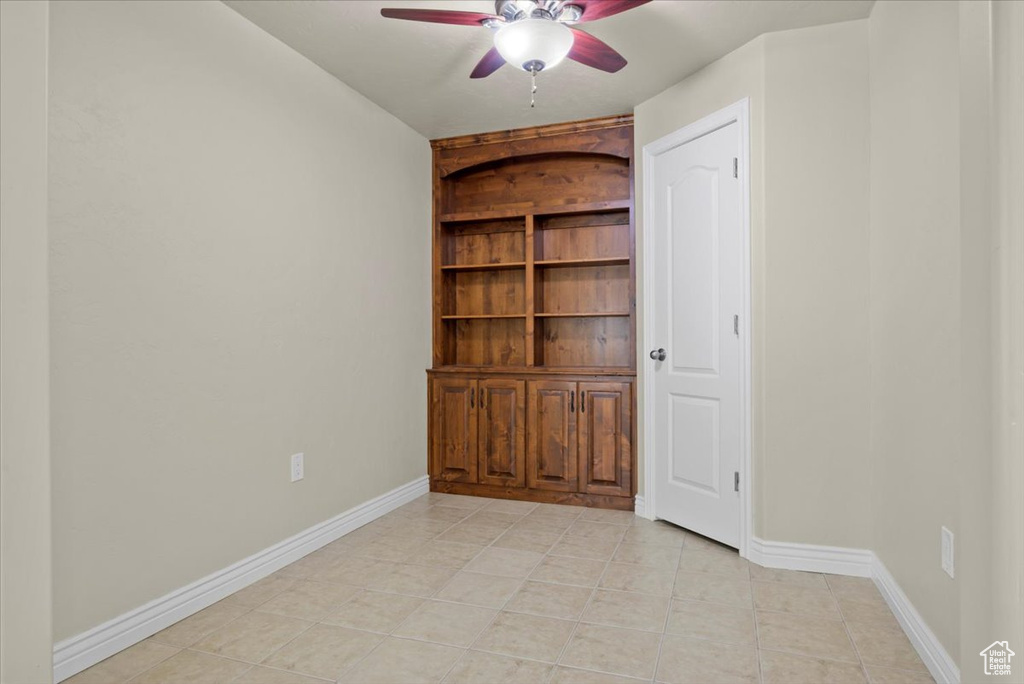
x,y
252,637
884,646
411,580
425,529
351,570
519,508
186,632
262,590
712,621
557,511
439,554
647,532
405,661
715,560
581,572
341,547
525,636
651,555
477,667
310,566
324,651
805,635
526,540
790,598
475,589
374,611
459,500
693,661
590,549
862,588
310,600
638,578
872,611
464,533
487,517
452,624
703,586
412,509
550,600
122,666
885,675
504,562
445,514
786,668
194,668
804,579
268,675
610,649
581,529
542,525
605,515
392,548
572,675
625,609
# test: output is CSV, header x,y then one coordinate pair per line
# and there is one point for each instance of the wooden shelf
x,y
591,314
472,317
581,208
485,267
606,261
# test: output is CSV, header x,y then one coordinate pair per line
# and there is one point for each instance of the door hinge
x,y
735,167
736,324
736,481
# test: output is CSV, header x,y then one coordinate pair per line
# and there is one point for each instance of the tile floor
x,y
460,589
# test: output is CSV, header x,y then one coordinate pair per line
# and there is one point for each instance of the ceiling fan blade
x,y
438,16
588,50
490,63
599,9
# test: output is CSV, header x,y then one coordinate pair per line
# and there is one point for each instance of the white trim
x,y
740,114
939,663
638,506
862,563
73,655
834,560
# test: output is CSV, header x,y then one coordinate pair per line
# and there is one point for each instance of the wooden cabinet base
x,y
621,503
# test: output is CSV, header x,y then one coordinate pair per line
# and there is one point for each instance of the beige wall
x,y
239,271
809,268
916,281
1007,473
26,654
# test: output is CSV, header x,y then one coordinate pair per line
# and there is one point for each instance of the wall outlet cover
x,y
298,468
948,551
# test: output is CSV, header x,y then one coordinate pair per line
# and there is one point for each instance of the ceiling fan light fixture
x,y
533,44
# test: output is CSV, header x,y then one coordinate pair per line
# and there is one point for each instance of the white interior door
x,y
698,278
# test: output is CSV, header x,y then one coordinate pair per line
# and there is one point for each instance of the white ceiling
x,y
420,72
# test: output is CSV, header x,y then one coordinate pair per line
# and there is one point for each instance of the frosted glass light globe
x,y
541,43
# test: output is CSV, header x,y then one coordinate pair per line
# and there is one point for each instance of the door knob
x,y
658,354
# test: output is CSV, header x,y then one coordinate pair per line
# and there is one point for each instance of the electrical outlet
x,y
947,551
298,469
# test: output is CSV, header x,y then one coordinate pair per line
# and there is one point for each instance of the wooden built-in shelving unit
x,y
534,274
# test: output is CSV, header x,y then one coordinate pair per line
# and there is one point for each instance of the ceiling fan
x,y
534,35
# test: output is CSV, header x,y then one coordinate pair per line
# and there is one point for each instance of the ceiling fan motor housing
x,y
558,10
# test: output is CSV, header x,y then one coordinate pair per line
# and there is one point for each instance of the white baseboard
x,y
638,506
834,560
862,563
941,666
73,655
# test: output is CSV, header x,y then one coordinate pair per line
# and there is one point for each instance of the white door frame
x,y
738,113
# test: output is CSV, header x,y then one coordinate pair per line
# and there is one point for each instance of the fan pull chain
x,y
533,86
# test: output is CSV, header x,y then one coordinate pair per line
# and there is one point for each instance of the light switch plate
x,y
948,551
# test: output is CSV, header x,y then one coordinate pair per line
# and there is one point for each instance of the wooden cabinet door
x,y
551,460
454,419
605,438
502,432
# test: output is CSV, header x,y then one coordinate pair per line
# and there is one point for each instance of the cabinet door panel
x,y
605,444
502,410
551,436
454,430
